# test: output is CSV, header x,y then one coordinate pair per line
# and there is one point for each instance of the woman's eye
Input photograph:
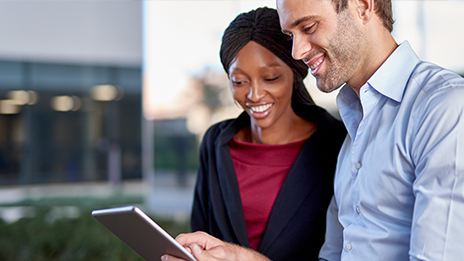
x,y
236,82
271,79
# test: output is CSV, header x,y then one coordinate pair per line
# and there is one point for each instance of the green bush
x,y
82,238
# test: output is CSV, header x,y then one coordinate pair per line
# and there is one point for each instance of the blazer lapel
x,y
229,184
294,190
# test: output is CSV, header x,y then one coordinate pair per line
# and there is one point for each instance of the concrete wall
x,y
83,32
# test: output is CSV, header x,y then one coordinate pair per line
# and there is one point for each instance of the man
x,y
399,186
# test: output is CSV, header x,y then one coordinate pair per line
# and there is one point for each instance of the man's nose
x,y
301,46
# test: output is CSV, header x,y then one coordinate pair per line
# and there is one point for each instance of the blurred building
x,y
70,91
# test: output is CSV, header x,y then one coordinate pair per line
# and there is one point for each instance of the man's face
x,y
330,44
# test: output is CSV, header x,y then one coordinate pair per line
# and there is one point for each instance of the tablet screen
x,y
140,232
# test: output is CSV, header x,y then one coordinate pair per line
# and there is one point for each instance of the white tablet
x,y
140,232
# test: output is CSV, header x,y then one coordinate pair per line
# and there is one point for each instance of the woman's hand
x,y
208,248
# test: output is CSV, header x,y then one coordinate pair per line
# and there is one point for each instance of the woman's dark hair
x,y
262,26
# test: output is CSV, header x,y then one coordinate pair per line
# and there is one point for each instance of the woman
x,y
266,178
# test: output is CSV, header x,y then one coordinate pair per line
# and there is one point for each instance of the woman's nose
x,y
256,92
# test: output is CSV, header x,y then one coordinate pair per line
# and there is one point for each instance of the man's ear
x,y
364,9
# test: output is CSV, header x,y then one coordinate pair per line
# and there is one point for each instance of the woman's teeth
x,y
261,108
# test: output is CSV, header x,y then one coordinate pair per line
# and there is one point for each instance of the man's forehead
x,y
298,4
288,8
283,4
279,4
292,10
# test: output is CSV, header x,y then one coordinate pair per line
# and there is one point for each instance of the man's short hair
x,y
383,8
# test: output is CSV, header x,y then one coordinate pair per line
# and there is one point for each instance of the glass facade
x,y
69,122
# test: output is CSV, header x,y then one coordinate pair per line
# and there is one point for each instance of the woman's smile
x,y
260,110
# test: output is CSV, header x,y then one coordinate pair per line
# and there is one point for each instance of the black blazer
x,y
296,226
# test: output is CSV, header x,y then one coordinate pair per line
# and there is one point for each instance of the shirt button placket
x,y
358,166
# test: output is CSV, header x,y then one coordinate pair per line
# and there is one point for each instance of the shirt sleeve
x,y
438,155
332,248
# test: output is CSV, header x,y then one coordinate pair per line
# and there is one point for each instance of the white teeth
x,y
314,66
261,108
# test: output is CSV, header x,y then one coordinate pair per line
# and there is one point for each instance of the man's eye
x,y
309,29
237,82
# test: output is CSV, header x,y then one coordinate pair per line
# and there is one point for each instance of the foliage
x,y
213,84
176,149
81,238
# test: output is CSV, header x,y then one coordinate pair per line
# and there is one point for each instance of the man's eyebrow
x,y
303,19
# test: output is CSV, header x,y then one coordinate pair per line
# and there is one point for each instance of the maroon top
x,y
261,171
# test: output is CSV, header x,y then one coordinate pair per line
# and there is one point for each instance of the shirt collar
x,y
391,78
350,109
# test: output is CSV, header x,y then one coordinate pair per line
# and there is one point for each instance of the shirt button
x,y
358,210
348,247
358,165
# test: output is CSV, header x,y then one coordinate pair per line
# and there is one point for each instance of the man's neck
x,y
380,48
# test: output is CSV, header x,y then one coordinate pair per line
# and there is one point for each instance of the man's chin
x,y
325,88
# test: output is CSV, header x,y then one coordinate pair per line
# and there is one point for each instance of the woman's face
x,y
262,84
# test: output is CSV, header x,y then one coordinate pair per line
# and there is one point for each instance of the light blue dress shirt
x,y
399,186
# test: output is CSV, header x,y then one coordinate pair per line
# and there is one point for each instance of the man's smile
x,y
314,63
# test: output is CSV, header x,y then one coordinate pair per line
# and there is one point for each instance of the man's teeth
x,y
315,65
261,108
